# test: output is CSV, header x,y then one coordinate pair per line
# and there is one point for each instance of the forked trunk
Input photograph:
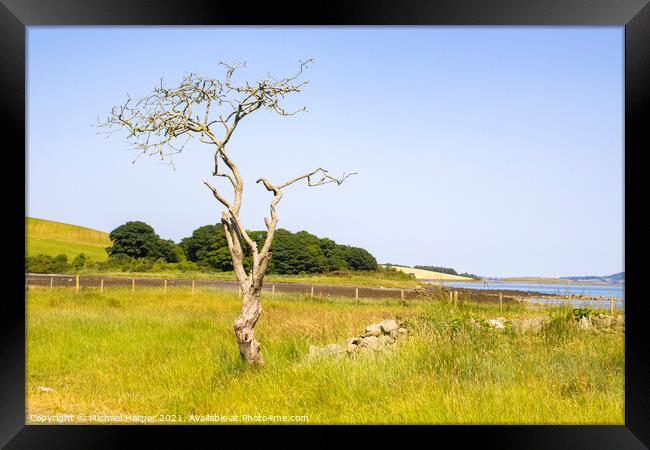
x,y
244,329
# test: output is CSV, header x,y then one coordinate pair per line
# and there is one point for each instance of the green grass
x,y
147,353
54,238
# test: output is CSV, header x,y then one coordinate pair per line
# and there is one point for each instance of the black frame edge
x,y
333,12
637,100
12,348
637,71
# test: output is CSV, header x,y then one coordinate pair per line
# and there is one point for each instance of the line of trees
x,y
448,270
292,253
137,248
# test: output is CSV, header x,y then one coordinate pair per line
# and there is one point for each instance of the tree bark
x,y
249,347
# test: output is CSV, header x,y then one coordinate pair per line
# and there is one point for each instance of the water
x,y
592,290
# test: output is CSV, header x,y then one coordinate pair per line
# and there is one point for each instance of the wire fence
x,y
77,282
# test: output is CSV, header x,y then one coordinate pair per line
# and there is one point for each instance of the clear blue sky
x,y
493,150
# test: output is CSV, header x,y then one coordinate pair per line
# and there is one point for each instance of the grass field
x,y
54,238
170,356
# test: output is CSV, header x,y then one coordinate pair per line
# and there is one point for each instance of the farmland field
x,y
156,354
53,238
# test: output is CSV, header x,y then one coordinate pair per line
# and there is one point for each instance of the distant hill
x,y
53,238
615,278
430,275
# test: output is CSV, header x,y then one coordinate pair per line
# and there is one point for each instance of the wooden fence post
x,y
165,288
401,293
76,283
192,287
455,298
51,282
273,290
500,301
356,295
133,284
312,292
101,286
611,306
451,297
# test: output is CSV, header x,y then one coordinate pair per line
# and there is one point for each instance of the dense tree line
x,y
470,275
293,253
448,270
137,248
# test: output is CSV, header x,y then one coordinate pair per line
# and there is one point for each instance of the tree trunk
x,y
244,326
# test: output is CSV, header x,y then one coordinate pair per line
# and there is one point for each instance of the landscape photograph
x,y
324,225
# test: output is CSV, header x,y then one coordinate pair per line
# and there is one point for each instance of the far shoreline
x,y
532,280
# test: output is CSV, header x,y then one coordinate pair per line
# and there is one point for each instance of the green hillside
x,y
53,238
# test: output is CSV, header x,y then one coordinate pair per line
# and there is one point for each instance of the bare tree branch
x,y
210,110
271,222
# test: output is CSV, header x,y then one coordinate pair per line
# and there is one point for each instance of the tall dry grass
x,y
150,353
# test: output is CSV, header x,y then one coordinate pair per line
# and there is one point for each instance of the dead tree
x,y
210,110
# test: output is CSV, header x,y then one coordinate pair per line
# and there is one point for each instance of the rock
x,y
496,324
373,330
45,389
584,323
352,344
388,325
353,340
385,340
376,337
363,351
371,342
602,321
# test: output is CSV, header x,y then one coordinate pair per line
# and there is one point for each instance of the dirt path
x,y
319,290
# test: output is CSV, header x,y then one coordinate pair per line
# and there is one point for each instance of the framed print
x,y
373,218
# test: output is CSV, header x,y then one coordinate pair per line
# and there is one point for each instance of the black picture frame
x,y
634,15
